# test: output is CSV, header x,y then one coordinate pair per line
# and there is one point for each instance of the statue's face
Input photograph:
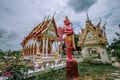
x,y
67,23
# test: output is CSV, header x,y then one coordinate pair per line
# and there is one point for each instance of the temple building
x,y
41,40
93,39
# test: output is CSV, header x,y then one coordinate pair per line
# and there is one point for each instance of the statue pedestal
x,y
72,70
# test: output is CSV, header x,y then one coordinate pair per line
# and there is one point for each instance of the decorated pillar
x,y
56,50
47,47
34,52
24,51
43,47
103,54
57,47
53,48
38,56
38,51
30,50
35,49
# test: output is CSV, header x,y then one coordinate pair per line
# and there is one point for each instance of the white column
x,y
56,46
43,47
105,55
47,47
33,52
83,52
102,55
34,41
53,47
38,51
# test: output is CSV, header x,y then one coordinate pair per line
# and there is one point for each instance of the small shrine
x,y
92,39
41,42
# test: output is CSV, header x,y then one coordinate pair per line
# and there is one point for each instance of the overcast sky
x,y
19,17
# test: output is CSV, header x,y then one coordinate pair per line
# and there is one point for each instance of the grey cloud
x,y
13,35
19,17
2,32
81,5
8,38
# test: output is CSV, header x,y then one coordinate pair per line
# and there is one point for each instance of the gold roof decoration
x,y
39,31
92,34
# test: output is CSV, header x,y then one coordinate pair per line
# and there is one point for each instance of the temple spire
x,y
54,13
87,16
98,25
104,26
88,21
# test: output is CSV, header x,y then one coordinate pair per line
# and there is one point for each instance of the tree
x,y
2,54
13,69
115,46
76,37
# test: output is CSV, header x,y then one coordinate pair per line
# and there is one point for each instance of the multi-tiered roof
x,y
41,30
92,34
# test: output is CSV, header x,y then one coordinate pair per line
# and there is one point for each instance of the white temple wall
x,y
103,52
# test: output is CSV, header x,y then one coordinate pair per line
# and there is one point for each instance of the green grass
x,y
53,75
95,71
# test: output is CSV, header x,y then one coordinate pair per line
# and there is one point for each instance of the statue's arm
x,y
68,30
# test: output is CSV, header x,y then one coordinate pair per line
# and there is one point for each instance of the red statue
x,y
71,64
69,39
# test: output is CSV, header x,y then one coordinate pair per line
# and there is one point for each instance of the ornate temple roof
x,y
38,31
92,34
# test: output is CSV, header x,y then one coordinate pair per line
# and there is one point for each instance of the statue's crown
x,y
66,19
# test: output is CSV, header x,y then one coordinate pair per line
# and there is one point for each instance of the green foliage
x,y
96,79
115,46
87,59
76,38
90,58
2,54
63,49
88,69
85,69
12,65
51,74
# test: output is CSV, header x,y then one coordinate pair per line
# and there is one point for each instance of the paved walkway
x,y
115,75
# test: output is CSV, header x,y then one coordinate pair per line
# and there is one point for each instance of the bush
x,y
13,70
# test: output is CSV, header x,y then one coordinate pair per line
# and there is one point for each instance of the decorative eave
x,y
37,32
95,30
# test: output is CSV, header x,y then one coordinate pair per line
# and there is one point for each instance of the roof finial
x,y
44,18
54,13
87,16
48,17
99,22
80,28
104,25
